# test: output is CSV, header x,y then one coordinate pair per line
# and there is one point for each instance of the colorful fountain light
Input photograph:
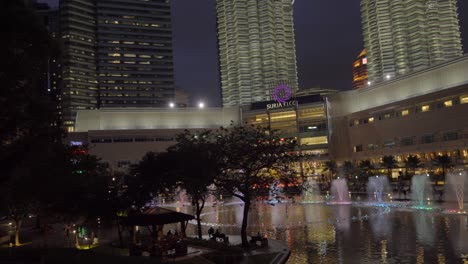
x,y
339,190
456,182
421,191
311,192
377,185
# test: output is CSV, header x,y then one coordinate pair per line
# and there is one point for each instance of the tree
x,y
252,159
412,162
444,162
196,162
366,167
331,167
389,163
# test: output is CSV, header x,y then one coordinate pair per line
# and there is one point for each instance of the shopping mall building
x,y
424,113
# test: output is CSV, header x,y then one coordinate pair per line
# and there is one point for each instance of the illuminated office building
x,y
115,54
256,49
360,76
79,77
408,35
134,51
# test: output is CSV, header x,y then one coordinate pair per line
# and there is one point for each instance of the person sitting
x,y
169,234
210,232
217,232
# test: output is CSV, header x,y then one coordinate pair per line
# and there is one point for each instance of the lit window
x,y
129,55
464,99
356,122
357,148
314,140
448,103
364,61
405,112
425,108
371,119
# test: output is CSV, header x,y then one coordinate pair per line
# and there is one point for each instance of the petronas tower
x,y
256,49
401,36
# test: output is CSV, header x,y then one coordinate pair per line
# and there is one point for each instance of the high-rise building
x,y
135,66
79,76
256,49
407,35
360,71
116,53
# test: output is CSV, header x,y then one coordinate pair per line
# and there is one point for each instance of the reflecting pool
x,y
350,233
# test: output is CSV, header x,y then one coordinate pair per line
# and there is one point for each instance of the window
x,y
426,139
101,140
407,141
314,140
372,146
404,112
389,143
448,103
143,139
464,99
425,108
357,148
123,139
447,136
371,119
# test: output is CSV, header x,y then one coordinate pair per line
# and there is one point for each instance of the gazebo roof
x,y
155,216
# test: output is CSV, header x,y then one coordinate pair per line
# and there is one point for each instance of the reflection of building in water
x,y
425,228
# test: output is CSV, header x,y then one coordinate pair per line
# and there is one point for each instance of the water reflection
x,y
321,233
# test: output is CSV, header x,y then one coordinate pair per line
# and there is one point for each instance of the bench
x,y
263,241
220,238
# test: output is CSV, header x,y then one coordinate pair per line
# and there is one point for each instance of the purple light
x,y
282,93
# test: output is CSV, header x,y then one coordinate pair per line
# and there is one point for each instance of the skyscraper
x,y
134,51
256,49
79,77
406,35
360,71
116,53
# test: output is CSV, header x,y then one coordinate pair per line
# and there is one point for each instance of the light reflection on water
x,y
321,233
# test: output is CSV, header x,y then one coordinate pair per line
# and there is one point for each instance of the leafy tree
x,y
349,169
444,162
252,158
412,162
389,163
196,162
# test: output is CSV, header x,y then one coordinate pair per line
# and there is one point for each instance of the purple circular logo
x,y
281,93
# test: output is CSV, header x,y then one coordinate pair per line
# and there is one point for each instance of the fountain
x,y
376,186
455,189
339,190
421,191
311,192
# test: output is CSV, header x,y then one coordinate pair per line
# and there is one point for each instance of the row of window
x,y
405,112
130,139
408,141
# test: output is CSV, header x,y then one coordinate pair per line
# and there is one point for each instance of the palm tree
x,y
331,167
444,162
389,162
348,168
412,162
366,167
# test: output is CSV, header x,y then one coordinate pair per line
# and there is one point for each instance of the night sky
x,y
328,38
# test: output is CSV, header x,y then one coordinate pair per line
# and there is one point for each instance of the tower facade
x,y
134,49
360,71
407,35
256,49
116,53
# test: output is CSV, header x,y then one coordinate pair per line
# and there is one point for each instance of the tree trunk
x,y
245,242
17,231
119,231
198,213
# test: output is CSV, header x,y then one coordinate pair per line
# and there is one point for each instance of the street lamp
x,y
201,105
171,105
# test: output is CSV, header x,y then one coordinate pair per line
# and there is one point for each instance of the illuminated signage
x,y
282,95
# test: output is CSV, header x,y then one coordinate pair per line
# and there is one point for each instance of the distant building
x,y
115,54
405,36
182,98
360,76
256,49
134,51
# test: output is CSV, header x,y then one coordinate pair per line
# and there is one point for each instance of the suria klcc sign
x,y
282,95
